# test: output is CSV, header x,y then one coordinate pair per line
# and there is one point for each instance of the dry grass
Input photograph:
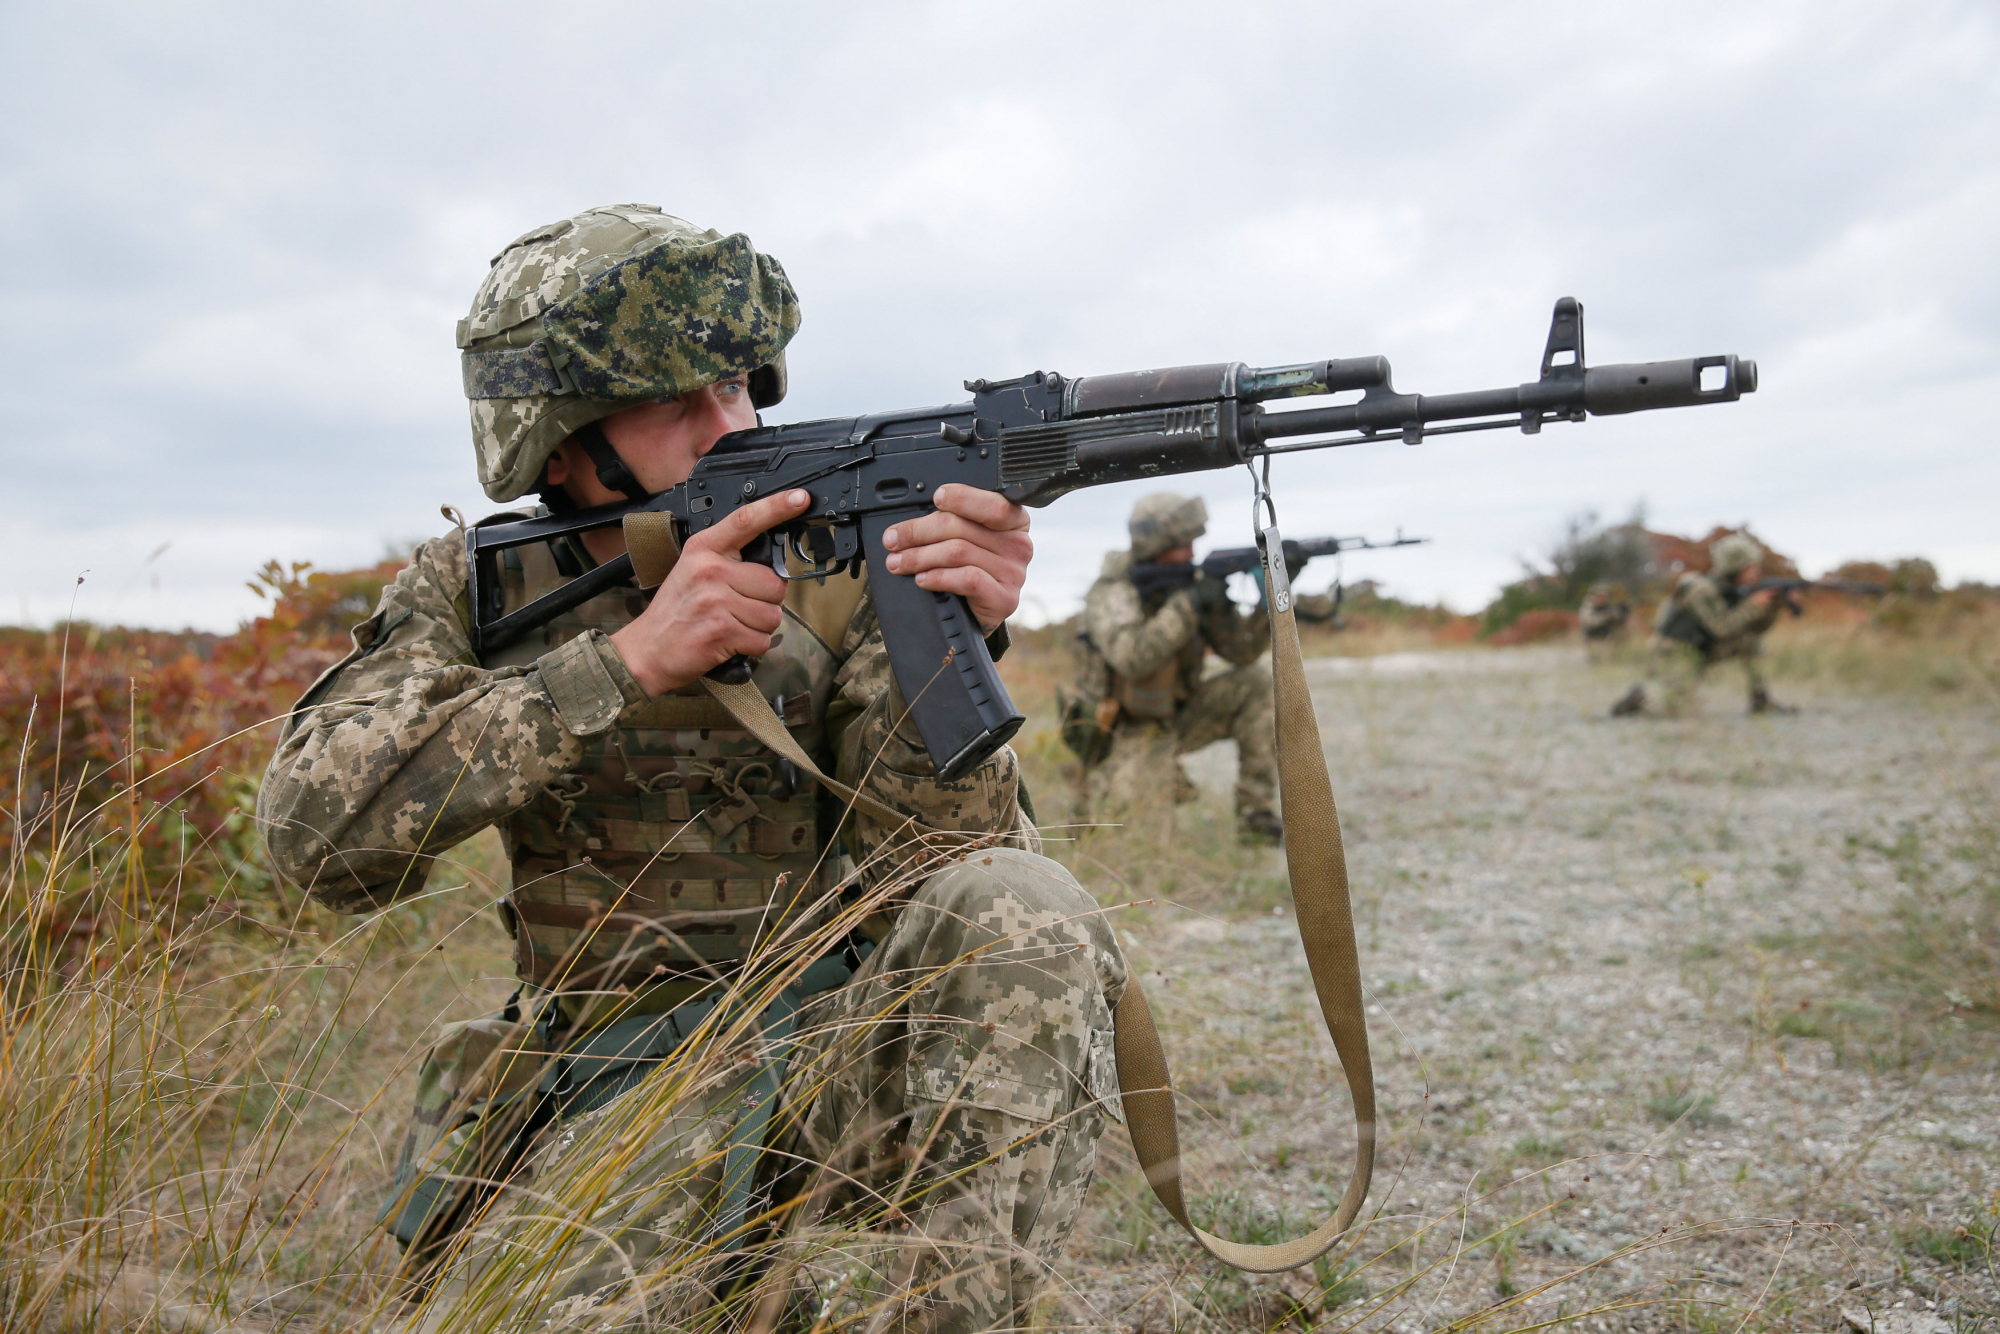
x,y
1689,1019
199,1121
1681,1026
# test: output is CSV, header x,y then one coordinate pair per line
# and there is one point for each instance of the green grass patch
x,y
1955,1245
1692,1109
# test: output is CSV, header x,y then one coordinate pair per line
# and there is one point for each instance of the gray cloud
x,y
243,232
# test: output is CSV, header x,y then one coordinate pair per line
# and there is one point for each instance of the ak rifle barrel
x,y
1601,391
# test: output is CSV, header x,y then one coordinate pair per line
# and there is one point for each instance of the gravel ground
x,y
1613,1016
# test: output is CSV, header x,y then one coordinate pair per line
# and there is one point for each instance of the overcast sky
x,y
239,236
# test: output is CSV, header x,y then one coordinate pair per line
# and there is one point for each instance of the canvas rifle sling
x,y
1318,870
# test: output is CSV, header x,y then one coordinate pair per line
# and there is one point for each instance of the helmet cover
x,y
1732,554
614,307
1162,521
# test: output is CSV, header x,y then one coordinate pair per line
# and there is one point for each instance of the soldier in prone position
x,y
655,842
1145,699
1708,619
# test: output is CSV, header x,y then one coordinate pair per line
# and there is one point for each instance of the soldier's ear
x,y
556,471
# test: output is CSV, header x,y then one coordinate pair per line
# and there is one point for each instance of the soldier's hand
x,y
713,604
975,544
1208,591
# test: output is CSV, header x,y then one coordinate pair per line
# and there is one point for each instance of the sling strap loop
x,y
1317,866
1318,870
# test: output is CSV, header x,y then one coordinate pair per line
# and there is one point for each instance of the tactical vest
x,y
1677,621
678,842
1160,693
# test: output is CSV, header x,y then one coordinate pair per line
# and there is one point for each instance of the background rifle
x,y
1153,577
1789,589
1034,439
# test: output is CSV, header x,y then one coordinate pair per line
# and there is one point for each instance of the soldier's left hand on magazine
x,y
975,544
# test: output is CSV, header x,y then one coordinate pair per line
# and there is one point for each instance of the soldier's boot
x,y
1761,702
1631,702
1260,827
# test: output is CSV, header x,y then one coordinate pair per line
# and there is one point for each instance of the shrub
x,y
141,750
1534,626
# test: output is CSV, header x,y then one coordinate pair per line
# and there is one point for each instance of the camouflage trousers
x,y
1674,671
932,1143
1235,704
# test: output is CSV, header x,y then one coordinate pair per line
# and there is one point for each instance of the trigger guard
x,y
795,545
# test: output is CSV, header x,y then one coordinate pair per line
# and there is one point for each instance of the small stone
x,y
1894,1322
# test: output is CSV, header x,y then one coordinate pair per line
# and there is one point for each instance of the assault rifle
x,y
1154,577
1034,439
1789,589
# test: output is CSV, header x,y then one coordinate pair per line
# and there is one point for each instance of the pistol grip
x,y
734,672
939,655
738,669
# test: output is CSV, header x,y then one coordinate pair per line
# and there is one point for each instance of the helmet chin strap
x,y
611,469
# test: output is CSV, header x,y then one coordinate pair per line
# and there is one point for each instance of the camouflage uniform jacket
x,y
1154,648
1600,617
650,838
1702,614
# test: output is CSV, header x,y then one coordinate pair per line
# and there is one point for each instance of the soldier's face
x,y
660,442
1180,555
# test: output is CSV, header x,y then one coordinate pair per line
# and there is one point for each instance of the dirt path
x,y
1611,974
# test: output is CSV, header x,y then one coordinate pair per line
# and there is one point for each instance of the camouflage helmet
x,y
1732,554
1163,521
616,306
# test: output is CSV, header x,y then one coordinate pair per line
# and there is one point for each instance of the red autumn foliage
x,y
1533,626
140,750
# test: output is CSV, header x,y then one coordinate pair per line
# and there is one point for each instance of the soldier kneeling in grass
x,y
1708,619
751,1013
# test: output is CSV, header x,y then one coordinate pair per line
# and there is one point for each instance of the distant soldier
x,y
1602,618
1708,619
1144,697
1318,608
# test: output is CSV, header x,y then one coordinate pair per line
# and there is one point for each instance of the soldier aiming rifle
x,y
1602,618
1142,697
1717,616
770,815
1153,578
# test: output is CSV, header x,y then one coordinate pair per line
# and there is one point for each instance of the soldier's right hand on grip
x,y
714,607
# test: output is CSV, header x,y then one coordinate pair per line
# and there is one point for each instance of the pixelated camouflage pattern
x,y
676,840
1675,668
408,746
1601,616
636,847
941,1114
1233,705
513,437
1161,645
1732,554
1675,671
675,318
1700,604
475,1093
1164,520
